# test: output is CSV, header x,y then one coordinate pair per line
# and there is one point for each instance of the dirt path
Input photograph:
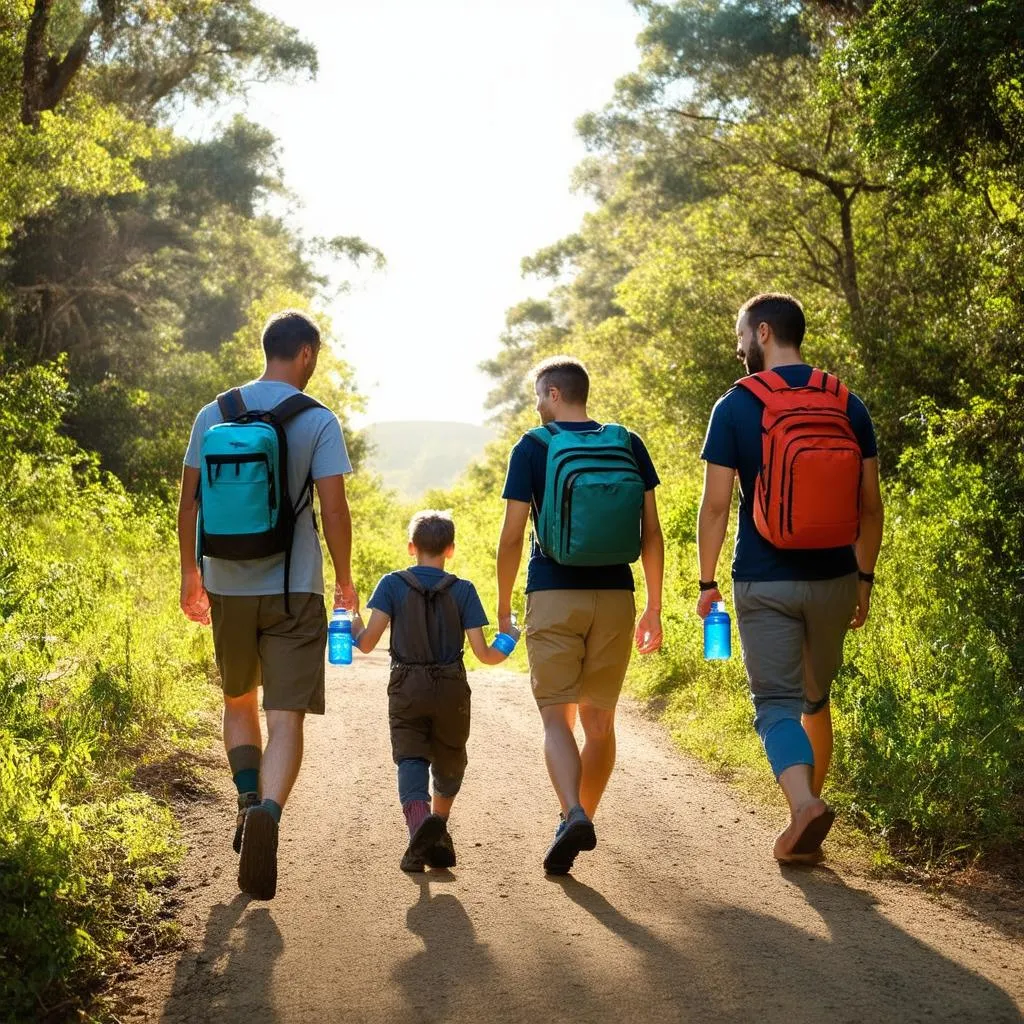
x,y
679,915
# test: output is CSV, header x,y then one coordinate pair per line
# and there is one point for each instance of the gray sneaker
x,y
575,833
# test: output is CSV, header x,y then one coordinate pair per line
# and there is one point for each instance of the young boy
x,y
428,695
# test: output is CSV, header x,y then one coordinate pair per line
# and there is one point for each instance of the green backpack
x,y
593,496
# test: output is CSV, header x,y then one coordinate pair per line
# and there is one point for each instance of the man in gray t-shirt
x,y
260,635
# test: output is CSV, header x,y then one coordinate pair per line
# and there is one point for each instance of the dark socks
x,y
273,808
245,768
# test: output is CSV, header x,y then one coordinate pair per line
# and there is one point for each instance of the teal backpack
x,y
593,496
245,510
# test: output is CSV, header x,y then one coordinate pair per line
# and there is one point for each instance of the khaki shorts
x,y
258,643
578,643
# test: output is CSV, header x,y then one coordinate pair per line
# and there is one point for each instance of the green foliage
x,y
95,668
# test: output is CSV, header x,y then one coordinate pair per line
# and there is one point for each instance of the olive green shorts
x,y
257,642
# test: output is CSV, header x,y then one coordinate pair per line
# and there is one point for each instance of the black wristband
x,y
866,577
710,585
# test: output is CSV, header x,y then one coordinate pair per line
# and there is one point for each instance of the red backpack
x,y
808,489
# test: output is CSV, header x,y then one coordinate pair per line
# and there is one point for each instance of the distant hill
x,y
417,456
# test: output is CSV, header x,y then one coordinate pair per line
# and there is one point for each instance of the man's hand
x,y
505,623
648,632
345,596
706,600
860,616
195,602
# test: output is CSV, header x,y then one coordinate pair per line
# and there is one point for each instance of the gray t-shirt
x,y
315,447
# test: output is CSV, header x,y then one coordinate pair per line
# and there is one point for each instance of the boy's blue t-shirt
x,y
390,592
527,474
734,440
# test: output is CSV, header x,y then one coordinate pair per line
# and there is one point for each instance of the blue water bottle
x,y
717,633
506,642
339,638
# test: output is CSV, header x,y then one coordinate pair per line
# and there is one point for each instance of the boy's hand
x,y
345,596
195,602
648,632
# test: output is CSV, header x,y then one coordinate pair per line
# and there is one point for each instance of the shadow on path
x,y
231,976
746,964
452,963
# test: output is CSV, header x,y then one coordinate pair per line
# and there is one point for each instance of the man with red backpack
x,y
808,537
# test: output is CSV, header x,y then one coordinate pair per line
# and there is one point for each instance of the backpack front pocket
x,y
239,494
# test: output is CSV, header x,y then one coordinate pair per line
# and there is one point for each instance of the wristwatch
x,y
866,577
709,585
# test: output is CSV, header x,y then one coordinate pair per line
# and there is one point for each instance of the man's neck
x,y
572,414
783,357
282,373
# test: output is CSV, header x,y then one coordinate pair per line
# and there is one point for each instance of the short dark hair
x,y
286,332
781,312
432,532
565,373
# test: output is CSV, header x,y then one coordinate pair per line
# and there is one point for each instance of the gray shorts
x,y
792,633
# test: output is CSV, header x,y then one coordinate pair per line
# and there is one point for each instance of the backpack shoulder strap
x,y
446,582
411,581
764,384
231,404
542,435
292,406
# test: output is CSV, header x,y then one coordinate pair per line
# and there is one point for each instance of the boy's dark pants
x,y
428,708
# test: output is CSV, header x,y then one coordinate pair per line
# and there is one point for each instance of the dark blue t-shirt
x,y
389,594
527,474
734,440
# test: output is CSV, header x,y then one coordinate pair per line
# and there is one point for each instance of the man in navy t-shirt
x,y
793,607
579,619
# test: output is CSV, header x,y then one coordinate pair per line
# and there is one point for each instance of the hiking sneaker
x,y
442,853
575,832
245,801
422,842
257,866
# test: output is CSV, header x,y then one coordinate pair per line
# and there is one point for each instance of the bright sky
x,y
442,133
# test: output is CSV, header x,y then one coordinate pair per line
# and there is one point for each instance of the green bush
x,y
97,668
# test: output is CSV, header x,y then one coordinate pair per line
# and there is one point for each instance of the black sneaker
x,y
257,867
574,833
245,801
422,842
442,853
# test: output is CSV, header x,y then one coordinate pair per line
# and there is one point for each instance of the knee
x,y
447,785
598,724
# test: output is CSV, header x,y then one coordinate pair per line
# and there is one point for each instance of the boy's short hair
x,y
567,374
432,531
286,332
781,312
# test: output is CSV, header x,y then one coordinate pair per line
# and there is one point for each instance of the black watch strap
x,y
866,577
710,585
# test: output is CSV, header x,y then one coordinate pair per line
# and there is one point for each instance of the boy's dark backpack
x,y
428,626
245,510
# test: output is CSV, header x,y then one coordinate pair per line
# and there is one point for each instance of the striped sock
x,y
416,812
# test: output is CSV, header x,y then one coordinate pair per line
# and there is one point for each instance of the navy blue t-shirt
x,y
527,474
734,440
390,593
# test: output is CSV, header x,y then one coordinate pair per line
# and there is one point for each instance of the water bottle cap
x,y
718,606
